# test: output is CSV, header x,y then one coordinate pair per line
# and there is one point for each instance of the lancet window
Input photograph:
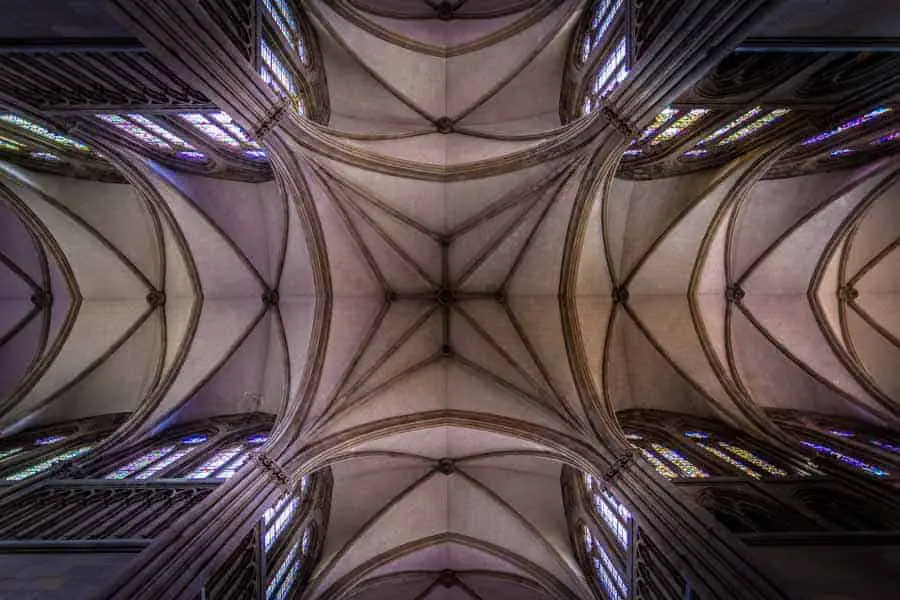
x,y
225,132
57,139
284,52
603,15
848,125
158,460
153,135
49,463
225,463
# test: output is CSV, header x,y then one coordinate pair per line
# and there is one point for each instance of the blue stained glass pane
x,y
232,467
851,124
209,129
285,575
842,152
696,153
258,438
847,460
697,435
9,452
194,156
610,578
159,130
208,468
886,446
193,439
51,439
615,515
842,433
49,463
45,156
886,139
256,154
134,131
687,468
277,518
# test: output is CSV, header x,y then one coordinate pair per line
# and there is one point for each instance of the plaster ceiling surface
x,y
448,387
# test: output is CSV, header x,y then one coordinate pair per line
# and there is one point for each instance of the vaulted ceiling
x,y
446,293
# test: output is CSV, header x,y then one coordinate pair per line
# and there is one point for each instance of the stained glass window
x,y
139,133
285,576
661,119
633,436
847,460
842,433
659,465
44,156
847,125
614,514
612,72
43,132
272,67
277,518
225,121
754,460
189,155
50,439
12,145
697,435
219,460
209,129
149,464
687,468
750,114
730,460
4,454
886,446
604,12
696,153
755,126
160,131
842,152
49,463
678,127
610,577
887,138
634,152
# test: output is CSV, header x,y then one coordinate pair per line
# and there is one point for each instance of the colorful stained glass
x,y
659,465
160,131
140,463
283,580
193,156
661,119
697,435
851,124
49,463
633,152
750,114
44,156
232,467
43,132
307,540
687,468
283,81
4,454
842,152
847,460
604,13
613,71
886,446
886,139
696,153
257,438
755,126
679,126
615,515
256,154
193,440
225,121
51,439
212,465
277,518
209,129
754,460
8,144
731,461
610,577
134,131
164,463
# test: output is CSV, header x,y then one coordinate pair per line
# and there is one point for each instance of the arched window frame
x,y
38,449
609,60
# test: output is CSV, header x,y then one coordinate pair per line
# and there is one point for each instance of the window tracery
x,y
58,139
611,72
49,463
851,461
603,13
150,464
847,125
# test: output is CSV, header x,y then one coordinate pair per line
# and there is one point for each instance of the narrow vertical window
x,y
847,125
846,459
687,468
285,576
225,463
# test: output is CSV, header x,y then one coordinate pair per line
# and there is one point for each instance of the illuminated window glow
x,y
163,463
4,454
613,71
755,126
842,433
851,124
604,13
751,114
49,463
8,144
615,515
160,131
633,436
847,460
679,126
754,460
697,435
44,156
661,119
687,468
696,153
227,123
886,139
209,129
136,132
211,466
52,439
731,461
633,152
43,132
194,156
277,518
140,463
272,67
285,576
659,465
610,578
886,446
842,152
